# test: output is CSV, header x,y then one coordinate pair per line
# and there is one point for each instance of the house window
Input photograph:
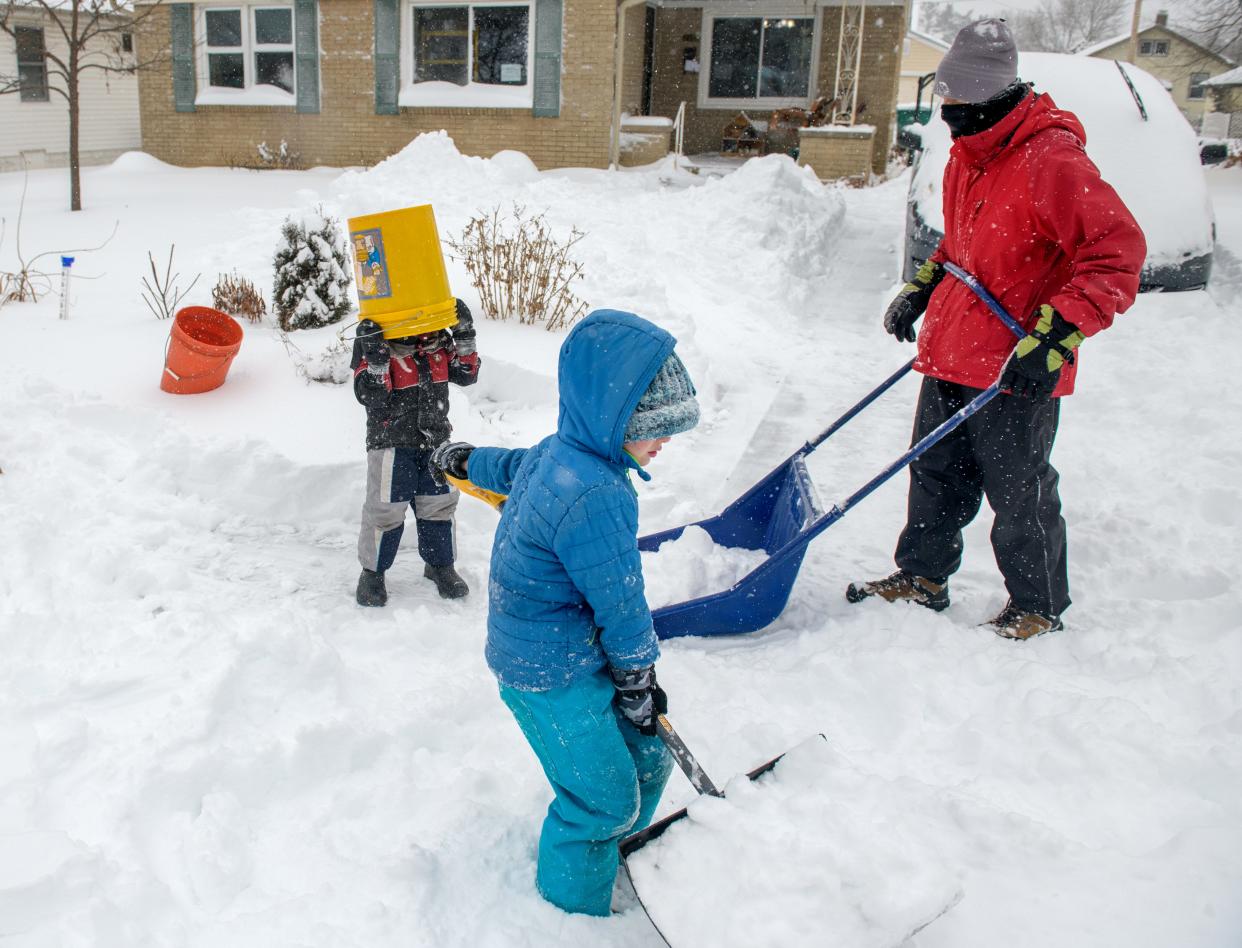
x,y
1197,79
127,42
760,58
249,46
1154,48
484,45
31,66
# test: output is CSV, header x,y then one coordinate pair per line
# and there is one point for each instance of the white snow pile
x,y
1153,164
693,565
814,852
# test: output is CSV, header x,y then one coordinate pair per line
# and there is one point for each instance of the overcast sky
x,y
1150,8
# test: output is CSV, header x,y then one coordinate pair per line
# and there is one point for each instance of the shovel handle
x,y
685,760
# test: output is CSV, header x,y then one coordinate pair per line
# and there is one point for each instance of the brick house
x,y
1183,64
349,82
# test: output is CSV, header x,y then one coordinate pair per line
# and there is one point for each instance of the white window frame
x,y
1190,87
766,102
472,94
1154,48
250,93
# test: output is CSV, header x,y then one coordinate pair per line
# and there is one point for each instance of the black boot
x,y
371,591
903,586
448,583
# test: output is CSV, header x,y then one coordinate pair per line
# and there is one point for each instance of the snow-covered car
x,y
1137,137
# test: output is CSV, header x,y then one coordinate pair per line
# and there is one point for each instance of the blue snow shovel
x,y
782,514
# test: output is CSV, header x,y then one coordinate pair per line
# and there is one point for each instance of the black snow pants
x,y
1001,451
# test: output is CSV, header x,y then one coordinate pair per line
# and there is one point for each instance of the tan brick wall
x,y
347,131
642,145
836,156
882,47
883,37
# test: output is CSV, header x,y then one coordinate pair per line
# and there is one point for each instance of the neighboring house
x,y
35,118
1225,98
1182,63
920,55
348,82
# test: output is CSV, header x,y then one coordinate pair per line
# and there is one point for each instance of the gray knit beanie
x,y
982,61
668,407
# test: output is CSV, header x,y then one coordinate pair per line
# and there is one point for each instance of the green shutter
x,y
387,57
184,89
547,79
306,40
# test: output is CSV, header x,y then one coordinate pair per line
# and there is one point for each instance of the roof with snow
x,y
1097,47
928,39
1231,78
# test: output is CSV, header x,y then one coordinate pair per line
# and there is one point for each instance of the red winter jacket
x,y
1025,211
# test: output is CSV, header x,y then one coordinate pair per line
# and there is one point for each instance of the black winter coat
x,y
407,407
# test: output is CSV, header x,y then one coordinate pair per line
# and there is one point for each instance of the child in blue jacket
x,y
569,634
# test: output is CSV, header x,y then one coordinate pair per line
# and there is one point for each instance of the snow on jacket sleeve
x,y
597,542
495,468
1081,212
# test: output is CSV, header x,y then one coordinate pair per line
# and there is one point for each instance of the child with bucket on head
x,y
403,383
569,634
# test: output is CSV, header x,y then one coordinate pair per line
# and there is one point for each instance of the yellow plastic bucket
x,y
399,272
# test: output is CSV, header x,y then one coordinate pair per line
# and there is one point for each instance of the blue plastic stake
x,y
65,264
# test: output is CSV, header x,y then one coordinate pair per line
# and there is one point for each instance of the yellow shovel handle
x,y
487,496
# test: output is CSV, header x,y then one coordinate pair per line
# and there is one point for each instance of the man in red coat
x,y
1025,211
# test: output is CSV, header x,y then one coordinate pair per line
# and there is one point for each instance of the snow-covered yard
x,y
204,741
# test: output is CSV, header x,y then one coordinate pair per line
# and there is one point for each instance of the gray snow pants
x,y
397,478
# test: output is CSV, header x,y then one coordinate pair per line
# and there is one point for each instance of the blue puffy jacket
x,y
566,595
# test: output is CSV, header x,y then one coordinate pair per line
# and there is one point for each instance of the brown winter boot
x,y
903,586
1018,624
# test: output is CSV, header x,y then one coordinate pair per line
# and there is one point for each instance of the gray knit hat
x,y
982,61
668,407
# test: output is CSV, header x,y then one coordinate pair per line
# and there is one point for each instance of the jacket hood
x,y
1034,114
606,363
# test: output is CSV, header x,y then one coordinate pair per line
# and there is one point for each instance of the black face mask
x,y
971,118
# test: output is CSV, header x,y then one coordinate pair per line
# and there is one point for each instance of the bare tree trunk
x,y
75,163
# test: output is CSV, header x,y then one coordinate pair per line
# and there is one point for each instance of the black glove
x,y
450,458
374,347
639,698
911,302
1035,366
463,331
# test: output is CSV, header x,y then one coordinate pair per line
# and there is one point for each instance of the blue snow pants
x,y
607,778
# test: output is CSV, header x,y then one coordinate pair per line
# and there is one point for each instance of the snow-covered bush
x,y
311,288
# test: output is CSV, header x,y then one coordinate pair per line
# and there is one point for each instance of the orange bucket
x,y
200,350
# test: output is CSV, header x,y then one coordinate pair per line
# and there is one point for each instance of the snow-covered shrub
x,y
311,288
330,364
238,297
520,268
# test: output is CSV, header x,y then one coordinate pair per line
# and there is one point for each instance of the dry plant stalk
x,y
162,298
238,297
520,268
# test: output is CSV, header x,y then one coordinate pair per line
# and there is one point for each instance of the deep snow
x,y
203,741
